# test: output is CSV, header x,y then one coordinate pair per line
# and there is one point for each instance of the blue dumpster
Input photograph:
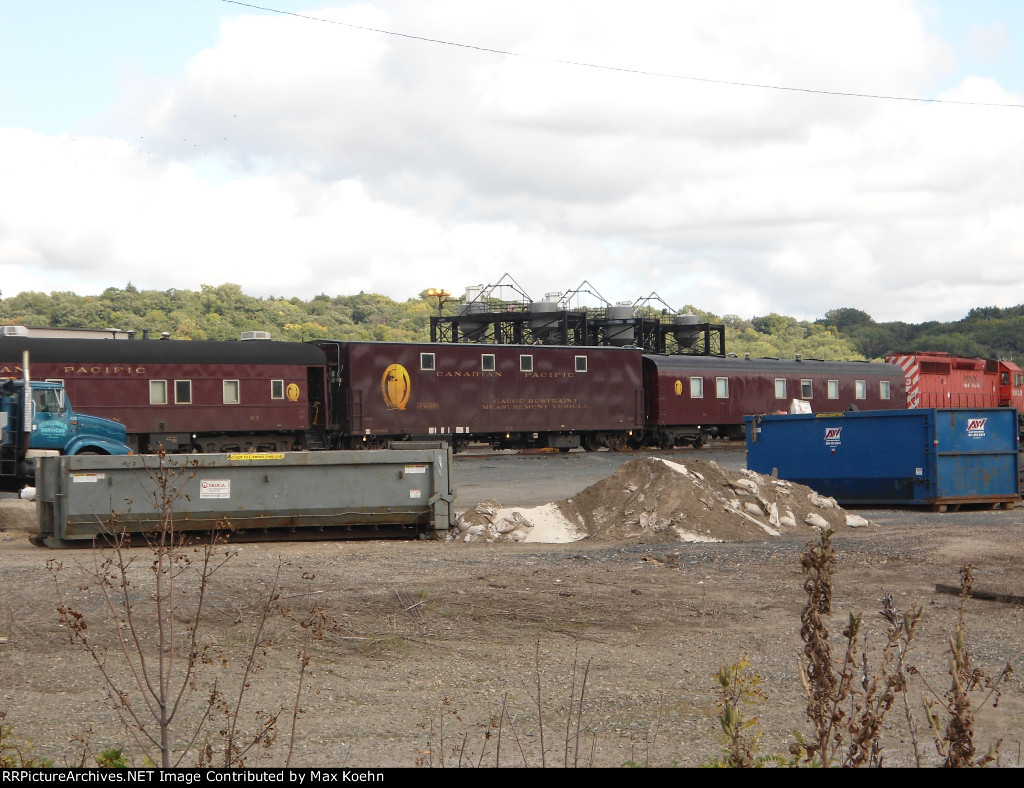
x,y
939,457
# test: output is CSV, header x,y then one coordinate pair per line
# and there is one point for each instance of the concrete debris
x,y
816,521
650,500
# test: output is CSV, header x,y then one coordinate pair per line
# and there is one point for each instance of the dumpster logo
x,y
976,428
395,387
833,436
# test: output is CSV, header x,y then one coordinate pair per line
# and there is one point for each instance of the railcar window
x,y
833,389
1018,379
277,389
427,362
581,363
183,392
230,392
697,388
806,390
487,362
883,389
55,380
860,389
526,363
722,388
158,392
780,388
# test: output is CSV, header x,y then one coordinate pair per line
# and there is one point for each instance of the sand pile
x,y
17,518
656,500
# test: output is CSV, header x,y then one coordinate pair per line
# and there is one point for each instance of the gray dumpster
x,y
291,495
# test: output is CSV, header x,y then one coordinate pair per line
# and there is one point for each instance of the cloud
x,y
988,43
296,157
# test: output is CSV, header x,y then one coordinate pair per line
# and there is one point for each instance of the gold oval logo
x,y
395,387
292,392
679,388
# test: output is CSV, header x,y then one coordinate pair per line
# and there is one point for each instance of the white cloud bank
x,y
297,157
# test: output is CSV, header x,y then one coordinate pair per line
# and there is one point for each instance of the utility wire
x,y
621,69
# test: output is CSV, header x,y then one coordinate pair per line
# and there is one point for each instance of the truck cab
x,y
40,421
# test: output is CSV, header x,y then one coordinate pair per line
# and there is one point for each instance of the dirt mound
x,y
17,518
655,500
662,500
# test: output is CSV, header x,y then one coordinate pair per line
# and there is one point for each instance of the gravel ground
x,y
427,643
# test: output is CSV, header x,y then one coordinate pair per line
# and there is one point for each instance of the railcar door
x,y
316,388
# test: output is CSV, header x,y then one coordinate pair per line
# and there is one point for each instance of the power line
x,y
623,70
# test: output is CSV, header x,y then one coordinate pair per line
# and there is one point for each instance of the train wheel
x,y
617,443
591,442
665,441
698,442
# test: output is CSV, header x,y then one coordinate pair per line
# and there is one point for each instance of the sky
x,y
743,157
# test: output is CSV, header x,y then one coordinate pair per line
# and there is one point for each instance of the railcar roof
x,y
736,365
155,351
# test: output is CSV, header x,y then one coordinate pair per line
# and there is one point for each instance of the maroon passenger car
x,y
510,396
187,396
691,398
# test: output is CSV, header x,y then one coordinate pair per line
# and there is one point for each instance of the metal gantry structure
x,y
503,313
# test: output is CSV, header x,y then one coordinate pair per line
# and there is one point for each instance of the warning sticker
x,y
255,456
415,494
415,468
85,477
215,488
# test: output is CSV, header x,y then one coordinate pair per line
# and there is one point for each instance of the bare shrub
x,y
150,656
970,691
846,707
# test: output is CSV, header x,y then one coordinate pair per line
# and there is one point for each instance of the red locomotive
x,y
940,380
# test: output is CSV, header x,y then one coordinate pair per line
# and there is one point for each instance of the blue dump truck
x,y
36,420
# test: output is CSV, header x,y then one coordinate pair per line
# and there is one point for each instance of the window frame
x,y
806,388
721,388
581,363
225,385
784,388
697,383
526,362
277,389
428,362
164,398
177,389
487,362
832,391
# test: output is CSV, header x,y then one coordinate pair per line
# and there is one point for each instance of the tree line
x,y
225,311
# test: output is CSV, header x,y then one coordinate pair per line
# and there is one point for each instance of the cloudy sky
x,y
737,155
